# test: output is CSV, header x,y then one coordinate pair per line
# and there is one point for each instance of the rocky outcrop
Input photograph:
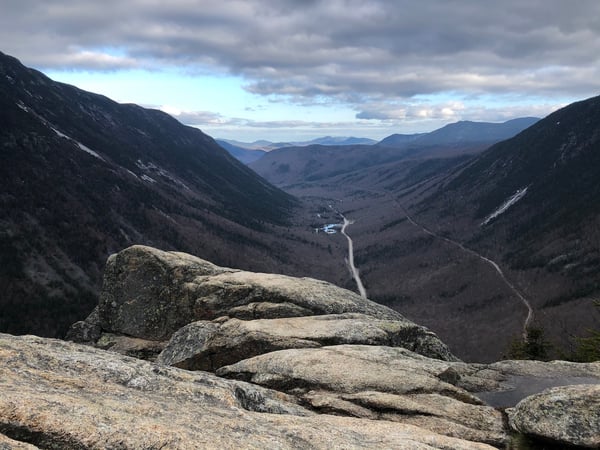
x,y
503,384
568,415
376,383
207,345
298,363
150,294
138,348
63,395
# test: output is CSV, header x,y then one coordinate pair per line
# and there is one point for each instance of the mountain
x,y
395,140
291,165
463,132
242,154
537,196
83,176
295,165
436,217
529,205
268,146
330,140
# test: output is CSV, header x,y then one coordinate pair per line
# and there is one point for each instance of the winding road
x,y
492,263
363,292
361,289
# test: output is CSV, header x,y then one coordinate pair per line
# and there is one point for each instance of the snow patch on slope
x,y
79,144
22,106
131,173
507,204
148,179
89,150
156,170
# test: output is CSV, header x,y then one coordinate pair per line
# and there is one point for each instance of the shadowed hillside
x,y
83,177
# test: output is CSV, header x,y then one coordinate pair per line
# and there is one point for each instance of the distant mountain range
x,y
326,140
243,154
83,177
463,132
457,134
250,152
295,164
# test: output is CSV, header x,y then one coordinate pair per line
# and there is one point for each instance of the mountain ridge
x,y
294,165
528,203
85,176
471,131
268,146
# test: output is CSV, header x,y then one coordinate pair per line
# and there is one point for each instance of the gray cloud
x,y
376,121
198,118
399,113
361,53
249,130
203,119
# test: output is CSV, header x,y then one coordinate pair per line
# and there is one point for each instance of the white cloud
x,y
383,120
325,48
379,58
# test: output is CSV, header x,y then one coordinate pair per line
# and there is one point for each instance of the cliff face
x,y
262,361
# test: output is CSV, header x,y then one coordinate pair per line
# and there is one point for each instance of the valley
x,y
431,241
470,231
300,225
428,277
84,176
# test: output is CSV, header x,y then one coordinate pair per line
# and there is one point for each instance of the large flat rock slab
x,y
348,368
376,382
57,394
207,345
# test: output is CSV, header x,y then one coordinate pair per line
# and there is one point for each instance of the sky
x,y
292,70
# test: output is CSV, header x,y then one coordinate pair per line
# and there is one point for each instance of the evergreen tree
x,y
535,346
588,348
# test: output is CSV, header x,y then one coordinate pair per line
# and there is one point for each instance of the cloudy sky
x,y
292,69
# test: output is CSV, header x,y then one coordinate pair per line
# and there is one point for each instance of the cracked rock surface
x,y
295,362
69,396
377,383
207,345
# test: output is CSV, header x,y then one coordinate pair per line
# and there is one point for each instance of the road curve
x,y
355,274
492,263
